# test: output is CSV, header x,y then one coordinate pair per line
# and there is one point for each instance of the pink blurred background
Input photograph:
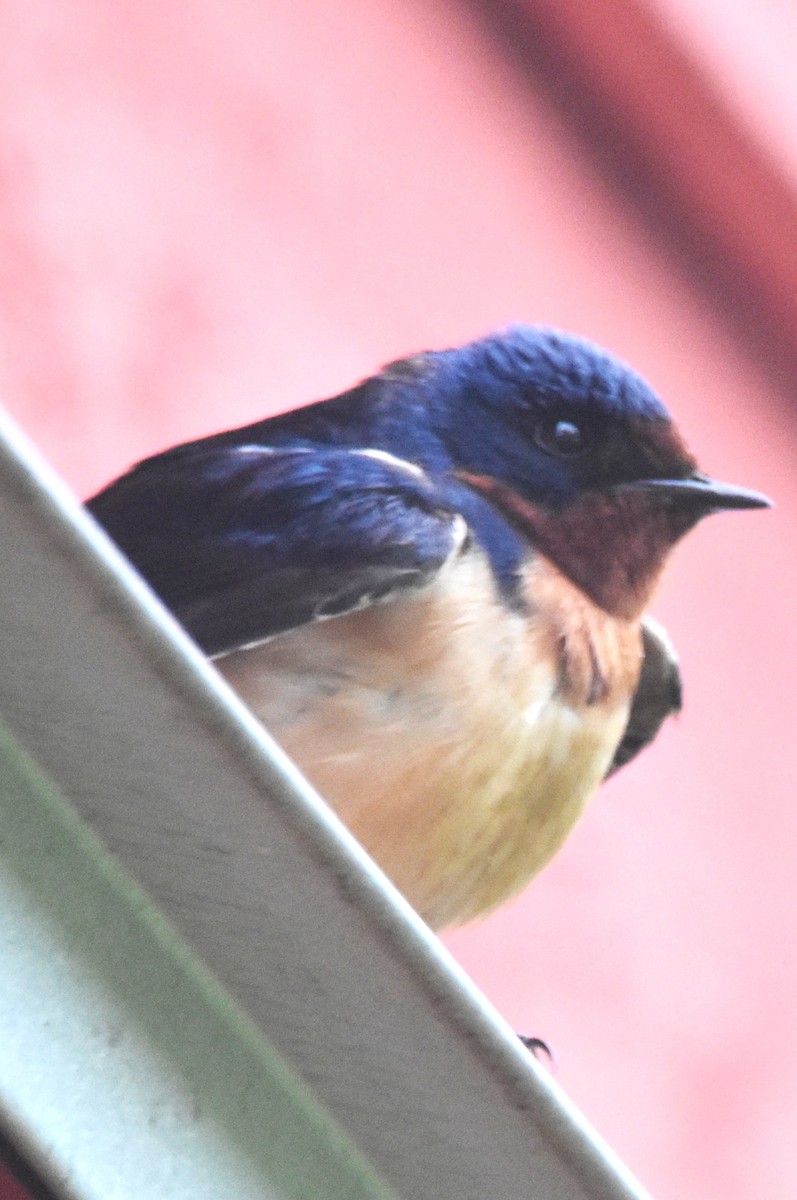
x,y
212,212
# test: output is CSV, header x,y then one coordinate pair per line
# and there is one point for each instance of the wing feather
x,y
657,697
245,542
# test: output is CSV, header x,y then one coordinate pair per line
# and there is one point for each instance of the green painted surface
x,y
125,1068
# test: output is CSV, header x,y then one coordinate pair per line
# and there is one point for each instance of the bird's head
x,y
577,451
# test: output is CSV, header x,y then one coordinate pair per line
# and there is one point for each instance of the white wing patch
x,y
390,460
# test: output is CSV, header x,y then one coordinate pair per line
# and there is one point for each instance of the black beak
x,y
708,495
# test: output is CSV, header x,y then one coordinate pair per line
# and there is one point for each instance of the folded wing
x,y
245,542
657,697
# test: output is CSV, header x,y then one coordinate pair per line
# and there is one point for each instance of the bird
x,y
433,590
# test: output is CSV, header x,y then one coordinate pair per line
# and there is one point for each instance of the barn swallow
x,y
432,590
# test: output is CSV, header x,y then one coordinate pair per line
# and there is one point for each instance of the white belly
x,y
441,729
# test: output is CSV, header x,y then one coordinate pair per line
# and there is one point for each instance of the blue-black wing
x,y
243,542
658,695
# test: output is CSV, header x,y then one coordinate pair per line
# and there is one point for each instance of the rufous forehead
x,y
665,441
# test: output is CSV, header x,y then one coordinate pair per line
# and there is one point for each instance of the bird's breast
x,y
457,738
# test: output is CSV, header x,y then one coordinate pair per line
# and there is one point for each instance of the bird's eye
x,y
560,437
